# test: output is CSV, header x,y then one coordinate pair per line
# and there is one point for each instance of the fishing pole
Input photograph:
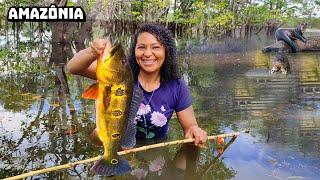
x,y
142,148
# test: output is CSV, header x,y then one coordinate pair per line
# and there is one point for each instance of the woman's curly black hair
x,y
169,69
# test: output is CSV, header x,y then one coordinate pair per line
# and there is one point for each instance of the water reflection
x,y
282,111
43,121
39,114
157,164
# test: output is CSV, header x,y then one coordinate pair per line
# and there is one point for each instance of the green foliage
x,y
136,11
21,2
223,20
215,16
149,10
70,3
200,12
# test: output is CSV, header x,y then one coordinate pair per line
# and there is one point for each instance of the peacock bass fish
x,y
117,102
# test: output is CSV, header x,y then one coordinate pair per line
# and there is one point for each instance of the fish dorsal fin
x,y
92,92
129,140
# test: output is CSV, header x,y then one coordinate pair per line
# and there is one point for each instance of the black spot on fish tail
x,y
114,161
106,168
129,138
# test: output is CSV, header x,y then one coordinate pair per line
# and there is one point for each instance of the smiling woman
x,y
149,53
155,70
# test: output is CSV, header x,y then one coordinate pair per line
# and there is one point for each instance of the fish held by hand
x,y
117,103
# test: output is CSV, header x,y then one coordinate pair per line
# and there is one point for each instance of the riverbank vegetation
x,y
188,18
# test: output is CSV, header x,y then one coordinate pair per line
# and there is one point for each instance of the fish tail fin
x,y
129,139
119,166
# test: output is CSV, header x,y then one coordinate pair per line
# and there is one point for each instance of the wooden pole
x,y
142,148
183,141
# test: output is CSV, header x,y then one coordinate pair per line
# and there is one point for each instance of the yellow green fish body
x,y
114,104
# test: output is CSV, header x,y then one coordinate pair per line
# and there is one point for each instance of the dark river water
x,y
45,123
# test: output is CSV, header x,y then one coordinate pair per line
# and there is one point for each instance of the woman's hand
x,y
84,62
98,46
198,134
190,126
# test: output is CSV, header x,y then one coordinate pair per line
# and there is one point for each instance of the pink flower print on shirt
x,y
158,119
157,165
143,109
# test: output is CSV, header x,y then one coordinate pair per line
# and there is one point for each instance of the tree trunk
x,y
312,44
61,52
